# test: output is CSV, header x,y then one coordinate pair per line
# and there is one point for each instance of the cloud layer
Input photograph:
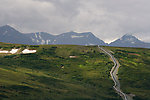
x,y
107,19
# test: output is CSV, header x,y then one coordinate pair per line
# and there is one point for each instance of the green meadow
x,y
134,72
71,72
56,72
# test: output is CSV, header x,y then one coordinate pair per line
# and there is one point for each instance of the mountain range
x,y
10,35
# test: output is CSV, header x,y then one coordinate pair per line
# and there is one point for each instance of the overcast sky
x,y
107,19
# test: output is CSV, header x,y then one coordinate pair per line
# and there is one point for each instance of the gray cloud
x,y
107,19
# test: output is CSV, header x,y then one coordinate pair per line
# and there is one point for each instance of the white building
x,y
26,51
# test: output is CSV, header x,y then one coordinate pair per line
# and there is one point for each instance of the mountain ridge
x,y
9,34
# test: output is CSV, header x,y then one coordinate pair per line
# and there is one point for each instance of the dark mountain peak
x,y
6,25
9,34
7,29
129,38
128,34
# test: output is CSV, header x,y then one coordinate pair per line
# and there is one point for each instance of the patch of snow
x,y
33,39
13,51
47,41
26,51
37,41
132,42
40,35
54,41
74,36
4,51
43,42
86,44
72,56
91,44
36,35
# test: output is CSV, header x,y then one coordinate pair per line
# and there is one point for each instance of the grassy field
x,y
50,74
134,72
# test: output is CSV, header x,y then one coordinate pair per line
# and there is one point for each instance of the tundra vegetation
x,y
56,72
70,72
134,72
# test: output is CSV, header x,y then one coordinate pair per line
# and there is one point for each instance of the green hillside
x,y
134,72
69,72
50,74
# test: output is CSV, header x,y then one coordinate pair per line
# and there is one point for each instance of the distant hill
x,y
129,41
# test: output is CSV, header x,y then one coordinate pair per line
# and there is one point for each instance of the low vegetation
x,y
134,72
69,72
52,74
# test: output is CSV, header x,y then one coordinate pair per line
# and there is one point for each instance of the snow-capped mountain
x,y
129,41
9,35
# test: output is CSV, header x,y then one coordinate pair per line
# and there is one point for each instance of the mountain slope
x,y
66,38
78,39
41,38
129,41
10,35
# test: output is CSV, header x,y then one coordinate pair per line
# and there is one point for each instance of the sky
x,y
106,19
